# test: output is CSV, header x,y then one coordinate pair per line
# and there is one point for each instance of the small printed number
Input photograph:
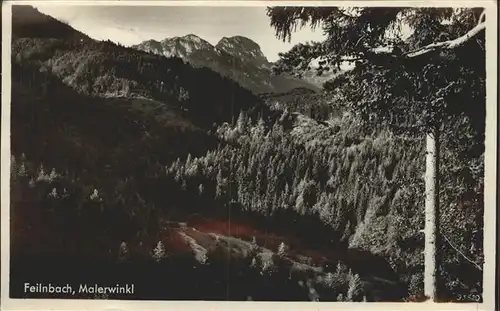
x,y
469,297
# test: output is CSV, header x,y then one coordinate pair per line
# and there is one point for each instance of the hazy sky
x,y
133,24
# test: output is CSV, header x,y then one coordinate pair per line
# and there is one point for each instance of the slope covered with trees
x,y
315,105
430,83
105,118
338,185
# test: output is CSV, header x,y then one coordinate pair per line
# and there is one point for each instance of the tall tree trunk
x,y
431,216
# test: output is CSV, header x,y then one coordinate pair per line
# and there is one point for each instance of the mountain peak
x,y
150,45
192,40
193,37
243,47
189,37
229,44
176,46
236,57
240,40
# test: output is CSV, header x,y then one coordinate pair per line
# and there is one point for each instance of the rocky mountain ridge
x,y
236,57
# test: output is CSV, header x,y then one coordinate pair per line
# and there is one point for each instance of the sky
x,y
130,25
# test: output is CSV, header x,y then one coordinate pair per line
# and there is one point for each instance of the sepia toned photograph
x,y
259,152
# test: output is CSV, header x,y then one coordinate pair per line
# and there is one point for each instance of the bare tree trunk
x,y
431,216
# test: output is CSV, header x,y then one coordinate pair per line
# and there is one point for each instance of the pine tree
x,y
220,185
282,249
341,269
22,171
123,251
329,280
13,165
159,252
254,248
32,183
355,291
183,95
188,161
53,194
94,196
285,197
41,173
179,173
259,129
241,123
53,175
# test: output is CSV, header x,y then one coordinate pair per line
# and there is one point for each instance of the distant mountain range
x,y
237,57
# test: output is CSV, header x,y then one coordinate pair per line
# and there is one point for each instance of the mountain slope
x,y
28,22
242,47
237,57
105,69
103,115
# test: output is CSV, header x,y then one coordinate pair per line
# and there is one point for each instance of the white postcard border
x,y
490,214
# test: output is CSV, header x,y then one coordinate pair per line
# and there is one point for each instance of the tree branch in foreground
x,y
450,44
482,17
463,255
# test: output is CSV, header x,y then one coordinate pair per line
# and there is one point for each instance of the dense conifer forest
x,y
148,168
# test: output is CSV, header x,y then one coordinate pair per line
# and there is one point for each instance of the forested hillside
x,y
148,166
365,186
102,110
316,105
